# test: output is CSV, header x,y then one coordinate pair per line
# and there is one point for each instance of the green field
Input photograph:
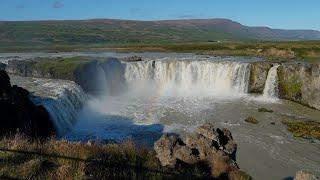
x,y
211,37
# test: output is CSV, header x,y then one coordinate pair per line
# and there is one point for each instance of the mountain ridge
x,y
117,31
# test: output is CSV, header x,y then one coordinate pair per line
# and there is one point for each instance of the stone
x,y
214,147
251,120
304,175
258,76
300,82
205,147
265,110
19,112
132,59
186,154
208,131
164,149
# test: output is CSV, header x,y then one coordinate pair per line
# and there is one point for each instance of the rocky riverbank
x,y
19,114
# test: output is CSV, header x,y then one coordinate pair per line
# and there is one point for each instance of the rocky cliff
x,y
94,76
258,75
300,82
19,114
297,81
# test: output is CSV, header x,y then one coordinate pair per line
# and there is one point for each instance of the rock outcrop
x,y
303,175
213,146
94,76
132,59
25,68
97,77
258,76
18,113
300,82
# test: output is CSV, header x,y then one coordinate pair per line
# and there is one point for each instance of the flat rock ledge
x,y
214,147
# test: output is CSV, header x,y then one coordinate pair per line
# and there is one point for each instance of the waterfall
x,y
192,76
271,86
64,101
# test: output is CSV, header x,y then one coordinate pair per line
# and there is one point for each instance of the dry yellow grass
x,y
22,158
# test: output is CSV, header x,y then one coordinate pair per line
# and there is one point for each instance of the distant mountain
x,y
111,31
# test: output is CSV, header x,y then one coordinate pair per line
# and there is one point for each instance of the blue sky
x,y
287,14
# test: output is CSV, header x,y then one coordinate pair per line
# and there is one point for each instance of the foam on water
x,y
186,78
177,95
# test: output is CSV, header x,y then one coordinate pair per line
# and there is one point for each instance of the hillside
x,y
115,32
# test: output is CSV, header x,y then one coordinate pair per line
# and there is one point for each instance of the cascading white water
x,y
63,102
271,87
191,76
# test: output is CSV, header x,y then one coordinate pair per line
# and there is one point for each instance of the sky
x,y
285,14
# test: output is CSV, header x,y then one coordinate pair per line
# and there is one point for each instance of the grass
x,y
304,129
22,158
60,68
293,50
290,86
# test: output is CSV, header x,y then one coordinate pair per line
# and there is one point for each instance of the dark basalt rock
x,y
132,59
213,146
18,113
2,66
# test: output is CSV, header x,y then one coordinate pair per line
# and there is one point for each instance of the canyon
x,y
111,99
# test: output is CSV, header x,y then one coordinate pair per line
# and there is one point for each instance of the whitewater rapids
x,y
175,95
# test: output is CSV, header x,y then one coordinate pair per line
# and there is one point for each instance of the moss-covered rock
x,y
304,129
251,120
300,82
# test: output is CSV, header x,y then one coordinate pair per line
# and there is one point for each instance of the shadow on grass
x,y
112,170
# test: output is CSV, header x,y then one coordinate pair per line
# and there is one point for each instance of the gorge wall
x,y
19,113
298,82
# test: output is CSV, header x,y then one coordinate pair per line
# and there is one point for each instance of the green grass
x,y
138,36
307,51
290,86
62,67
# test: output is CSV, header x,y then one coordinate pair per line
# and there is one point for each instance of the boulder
x,y
304,175
213,146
